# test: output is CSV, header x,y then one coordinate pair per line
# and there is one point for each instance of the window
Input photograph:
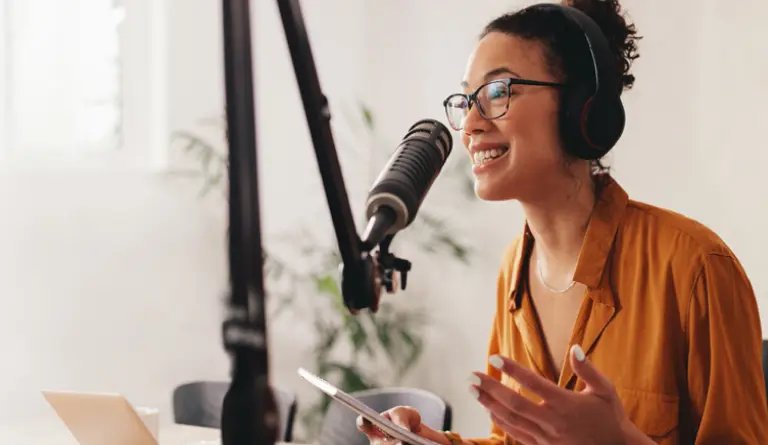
x,y
82,80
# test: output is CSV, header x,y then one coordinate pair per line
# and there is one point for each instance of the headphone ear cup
x,y
604,122
590,125
572,109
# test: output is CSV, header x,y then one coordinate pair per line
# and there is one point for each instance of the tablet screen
x,y
385,425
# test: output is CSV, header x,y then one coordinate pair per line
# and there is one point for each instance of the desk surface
x,y
191,435
57,434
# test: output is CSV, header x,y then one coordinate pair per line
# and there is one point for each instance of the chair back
x,y
199,404
339,424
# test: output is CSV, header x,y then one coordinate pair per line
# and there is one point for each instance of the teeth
x,y
481,157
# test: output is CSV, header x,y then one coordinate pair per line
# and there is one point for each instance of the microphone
x,y
397,194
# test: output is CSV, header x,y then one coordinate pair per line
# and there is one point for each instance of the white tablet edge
x,y
364,410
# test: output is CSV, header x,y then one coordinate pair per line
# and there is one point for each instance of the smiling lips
x,y
486,155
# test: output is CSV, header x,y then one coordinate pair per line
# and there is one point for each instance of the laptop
x,y
100,418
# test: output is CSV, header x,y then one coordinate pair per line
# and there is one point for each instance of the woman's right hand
x,y
405,417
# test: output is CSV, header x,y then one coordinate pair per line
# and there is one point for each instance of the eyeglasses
x,y
492,100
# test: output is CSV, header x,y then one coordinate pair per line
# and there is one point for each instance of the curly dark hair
x,y
567,56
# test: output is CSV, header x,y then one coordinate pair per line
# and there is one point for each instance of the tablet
x,y
386,426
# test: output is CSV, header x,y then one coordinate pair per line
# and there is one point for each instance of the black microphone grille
x,y
429,143
411,171
435,133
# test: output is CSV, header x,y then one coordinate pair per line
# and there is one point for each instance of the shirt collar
x,y
595,251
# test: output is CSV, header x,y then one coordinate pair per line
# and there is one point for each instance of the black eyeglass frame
x,y
472,98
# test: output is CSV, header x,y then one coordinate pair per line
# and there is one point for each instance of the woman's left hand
x,y
594,415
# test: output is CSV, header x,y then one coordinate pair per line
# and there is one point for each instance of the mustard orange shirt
x,y
669,316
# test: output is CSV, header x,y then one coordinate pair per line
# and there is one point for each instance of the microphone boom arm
x,y
318,119
362,275
318,116
249,413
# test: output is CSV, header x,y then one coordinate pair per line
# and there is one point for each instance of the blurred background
x,y
113,264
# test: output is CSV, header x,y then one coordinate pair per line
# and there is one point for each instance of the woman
x,y
617,322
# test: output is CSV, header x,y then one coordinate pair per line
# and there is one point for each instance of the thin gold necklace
x,y
550,288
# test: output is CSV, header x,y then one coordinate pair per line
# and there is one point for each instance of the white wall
x,y
111,281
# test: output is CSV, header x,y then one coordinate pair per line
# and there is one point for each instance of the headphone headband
x,y
603,61
592,117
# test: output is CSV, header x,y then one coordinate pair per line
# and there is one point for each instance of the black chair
x,y
339,424
199,404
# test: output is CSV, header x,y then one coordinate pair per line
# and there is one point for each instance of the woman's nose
x,y
474,122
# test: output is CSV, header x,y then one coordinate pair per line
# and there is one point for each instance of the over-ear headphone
x,y
592,116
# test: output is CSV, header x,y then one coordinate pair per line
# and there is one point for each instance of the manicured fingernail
x,y
475,380
475,393
579,353
496,362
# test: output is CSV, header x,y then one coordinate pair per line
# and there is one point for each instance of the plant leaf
x,y
367,117
349,377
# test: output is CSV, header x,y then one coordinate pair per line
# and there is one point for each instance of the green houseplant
x,y
391,338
